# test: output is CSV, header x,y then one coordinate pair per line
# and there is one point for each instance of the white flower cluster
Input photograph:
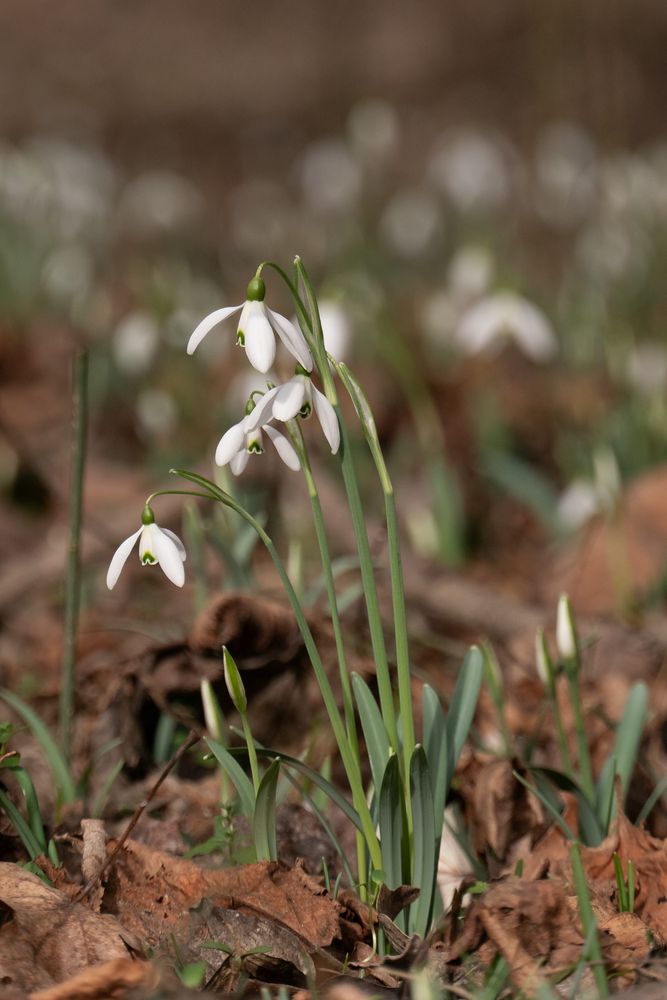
x,y
256,332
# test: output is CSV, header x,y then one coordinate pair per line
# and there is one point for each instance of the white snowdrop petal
x,y
290,398
177,542
328,419
208,323
284,448
257,417
292,338
239,462
168,556
120,558
260,342
229,444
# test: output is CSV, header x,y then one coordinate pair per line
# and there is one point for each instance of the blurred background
x,y
480,193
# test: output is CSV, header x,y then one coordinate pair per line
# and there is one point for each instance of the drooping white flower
x,y
507,315
256,330
297,397
156,545
242,440
454,864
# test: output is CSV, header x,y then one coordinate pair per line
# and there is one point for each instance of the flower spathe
x,y
156,545
256,330
297,397
241,441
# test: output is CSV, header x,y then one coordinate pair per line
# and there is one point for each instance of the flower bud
x,y
212,712
566,632
234,683
545,667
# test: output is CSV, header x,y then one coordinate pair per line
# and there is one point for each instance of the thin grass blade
x,y
64,783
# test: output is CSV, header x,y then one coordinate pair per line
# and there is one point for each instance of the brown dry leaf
x,y
627,553
257,630
150,891
94,856
282,959
112,980
49,937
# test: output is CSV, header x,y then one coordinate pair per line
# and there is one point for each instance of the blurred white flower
x,y
374,131
584,498
68,273
335,328
256,330
438,316
331,178
470,273
503,316
470,168
647,367
158,202
156,412
453,863
297,397
156,545
81,184
242,440
135,343
565,173
411,222
577,504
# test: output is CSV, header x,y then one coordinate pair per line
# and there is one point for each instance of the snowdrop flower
x,y
245,439
454,864
156,545
504,315
256,330
297,397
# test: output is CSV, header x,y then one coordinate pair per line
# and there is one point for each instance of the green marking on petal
x,y
240,338
305,410
254,447
148,559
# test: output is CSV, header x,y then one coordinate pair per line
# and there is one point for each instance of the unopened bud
x,y
212,712
234,683
566,632
545,667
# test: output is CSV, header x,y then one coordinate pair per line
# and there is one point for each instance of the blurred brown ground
x,y
187,83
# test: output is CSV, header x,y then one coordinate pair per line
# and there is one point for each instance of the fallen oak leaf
x,y
50,938
110,979
150,890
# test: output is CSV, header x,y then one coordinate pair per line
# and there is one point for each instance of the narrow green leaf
x,y
548,805
425,858
390,816
264,820
375,734
589,826
32,806
592,951
16,819
330,790
57,763
648,806
434,728
463,704
629,734
604,794
227,761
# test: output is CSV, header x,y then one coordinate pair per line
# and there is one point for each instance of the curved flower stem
x,y
320,531
350,763
356,509
395,568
